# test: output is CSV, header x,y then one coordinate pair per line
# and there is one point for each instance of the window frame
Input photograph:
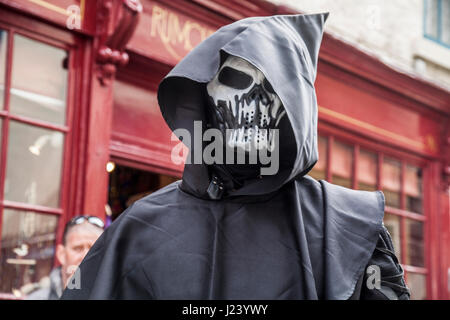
x,y
382,150
44,35
426,35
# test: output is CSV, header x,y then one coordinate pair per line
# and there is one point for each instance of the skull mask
x,y
241,99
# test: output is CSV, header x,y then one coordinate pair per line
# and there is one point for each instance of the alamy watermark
x,y
74,18
74,282
374,277
211,147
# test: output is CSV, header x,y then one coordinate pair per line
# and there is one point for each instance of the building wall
x,y
353,89
390,30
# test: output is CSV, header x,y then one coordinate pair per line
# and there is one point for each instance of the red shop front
x,y
81,127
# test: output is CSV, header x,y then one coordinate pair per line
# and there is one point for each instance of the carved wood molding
x,y
117,21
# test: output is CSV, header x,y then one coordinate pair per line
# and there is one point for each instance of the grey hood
x,y
285,48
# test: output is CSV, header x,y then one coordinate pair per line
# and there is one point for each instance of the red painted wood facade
x,y
113,114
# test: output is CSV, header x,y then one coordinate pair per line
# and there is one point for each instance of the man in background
x,y
80,233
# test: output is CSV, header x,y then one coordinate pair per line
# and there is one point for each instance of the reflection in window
x,y
38,81
342,162
415,241
417,284
34,163
319,171
3,47
28,247
367,170
391,182
392,224
413,189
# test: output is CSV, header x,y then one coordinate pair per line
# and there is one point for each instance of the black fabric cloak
x,y
285,236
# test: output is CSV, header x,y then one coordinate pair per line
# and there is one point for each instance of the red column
x,y
114,31
98,138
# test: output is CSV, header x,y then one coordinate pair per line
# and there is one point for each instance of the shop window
x,y
319,170
40,151
342,164
352,165
27,249
34,127
413,189
417,285
367,170
391,182
437,21
38,90
392,223
414,247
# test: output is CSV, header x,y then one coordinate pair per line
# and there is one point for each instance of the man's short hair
x,y
78,220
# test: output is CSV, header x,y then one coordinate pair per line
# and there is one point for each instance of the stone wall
x,y
390,30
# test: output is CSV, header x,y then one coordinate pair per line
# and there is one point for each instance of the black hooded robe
x,y
285,236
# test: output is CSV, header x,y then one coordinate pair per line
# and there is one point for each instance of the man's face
x,y
78,242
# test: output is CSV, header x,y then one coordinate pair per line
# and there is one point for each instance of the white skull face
x,y
244,101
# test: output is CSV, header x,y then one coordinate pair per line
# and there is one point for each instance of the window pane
x,y
319,171
414,243
3,50
392,223
342,162
431,19
28,247
445,16
391,182
418,285
39,81
34,162
367,170
413,189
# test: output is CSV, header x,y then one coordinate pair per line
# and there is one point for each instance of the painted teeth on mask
x,y
251,124
248,115
252,119
240,138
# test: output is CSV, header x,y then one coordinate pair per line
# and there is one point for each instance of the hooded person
x,y
229,231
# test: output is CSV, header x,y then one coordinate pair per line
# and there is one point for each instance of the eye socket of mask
x,y
268,86
235,78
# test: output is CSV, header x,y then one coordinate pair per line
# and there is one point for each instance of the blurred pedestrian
x,y
80,233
